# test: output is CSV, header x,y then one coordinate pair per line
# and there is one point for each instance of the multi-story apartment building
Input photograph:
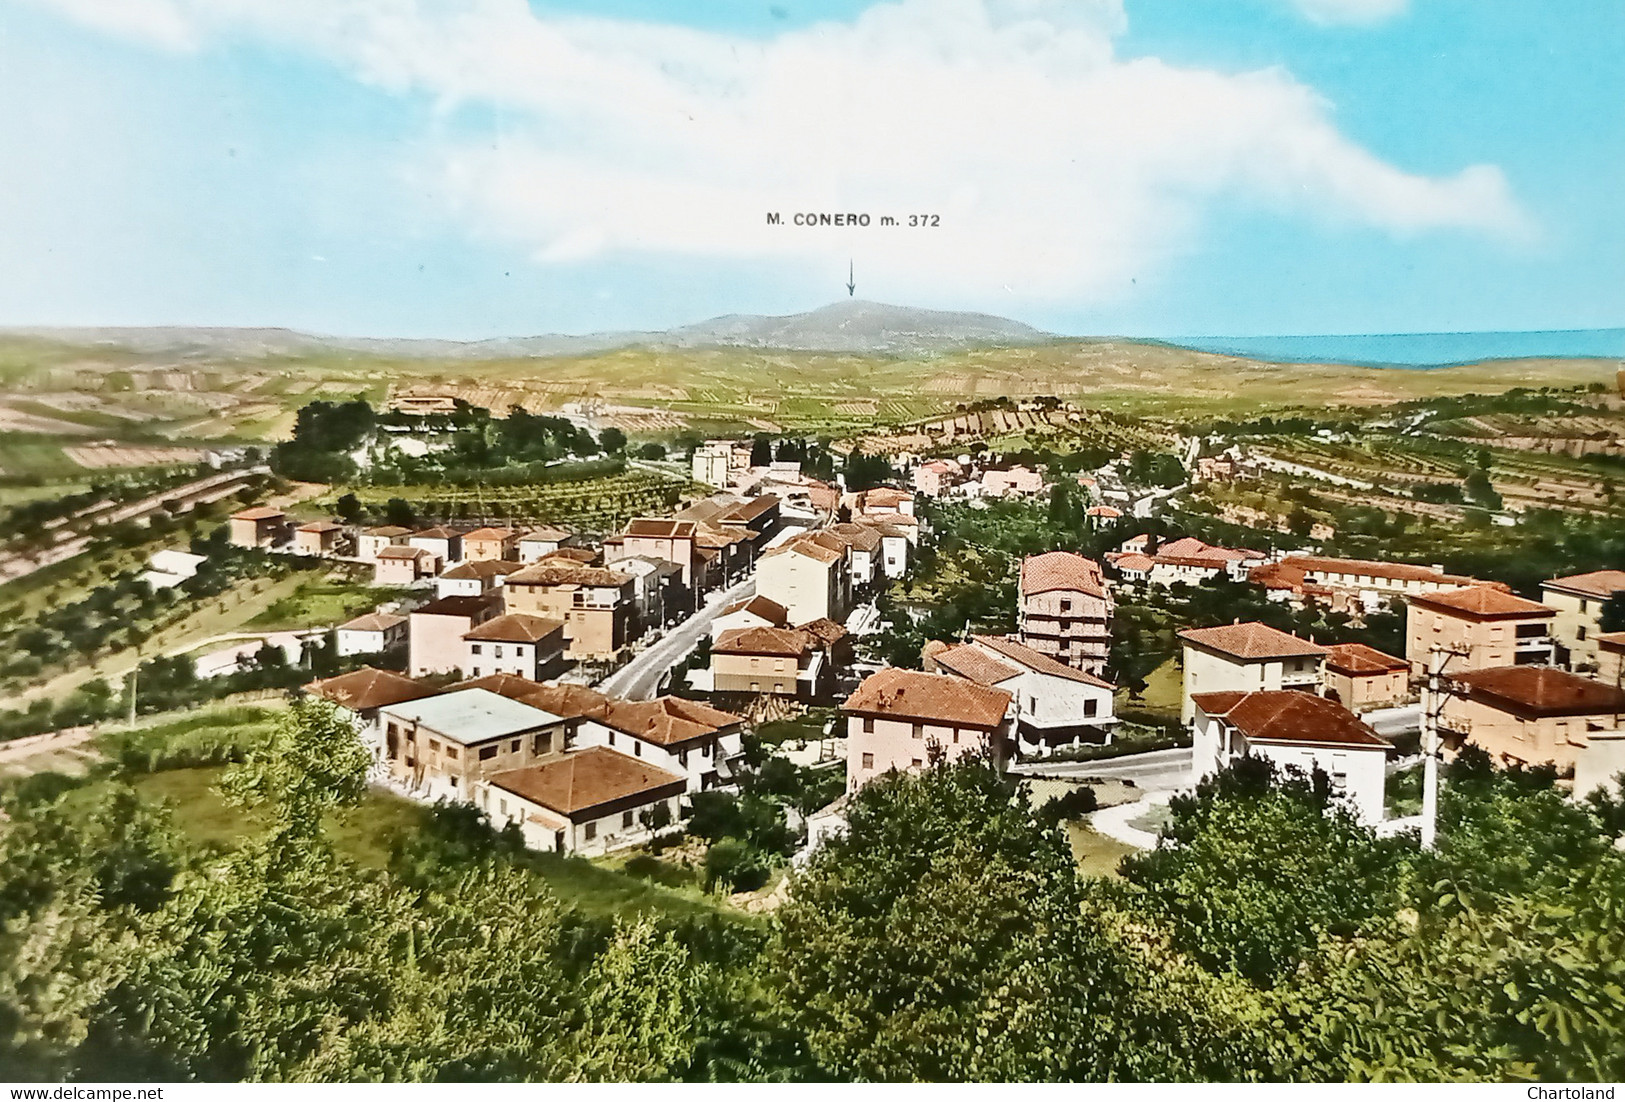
x,y
1578,600
1362,677
1054,705
1066,610
519,643
1355,585
435,635
1247,658
1475,627
597,605
490,543
807,577
1527,714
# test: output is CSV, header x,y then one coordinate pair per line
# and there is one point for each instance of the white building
x,y
538,543
1053,704
1248,658
1293,729
587,801
374,633
474,577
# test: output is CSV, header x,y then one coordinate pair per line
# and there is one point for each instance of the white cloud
x,y
1058,169
1354,13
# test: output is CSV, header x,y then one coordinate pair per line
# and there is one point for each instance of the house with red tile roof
x,y
1293,730
373,633
1353,586
260,526
1066,610
1578,601
1474,627
1250,657
587,801
359,694
896,716
519,643
1190,561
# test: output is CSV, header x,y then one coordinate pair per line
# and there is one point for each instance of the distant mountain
x,y
851,326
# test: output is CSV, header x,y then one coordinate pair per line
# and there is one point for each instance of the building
x,y
440,747
1578,601
775,661
659,589
168,568
373,540
895,541
1599,764
1066,610
1131,567
1192,562
882,501
681,736
1475,627
473,577
1611,658
437,629
598,605
319,537
896,716
1099,516
261,526
1527,714
1354,585
538,543
360,694
445,544
672,541
752,612
1246,658
587,801
484,544
1361,677
865,549
937,477
1054,705
809,579
719,462
519,643
400,565
374,633
1293,729
1015,482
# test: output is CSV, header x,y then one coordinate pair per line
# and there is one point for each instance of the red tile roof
x,y
655,528
1064,571
491,534
765,607
1287,716
322,526
482,569
439,533
668,720
259,512
401,551
1601,584
970,662
1359,660
779,642
576,783
565,700
560,573
1023,655
1539,691
367,688
909,694
516,627
1291,569
1480,602
374,621
1611,641
1252,642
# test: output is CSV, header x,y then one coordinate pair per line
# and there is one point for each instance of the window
x,y
542,744
513,747
498,650
1581,633
487,753
475,672
434,746
918,763
475,649
868,761
626,820
612,738
590,831
1066,605
682,758
919,730
637,748
1091,707
868,726
503,805
451,752
453,781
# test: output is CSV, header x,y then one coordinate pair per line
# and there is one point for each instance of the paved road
x,y
640,678
1156,771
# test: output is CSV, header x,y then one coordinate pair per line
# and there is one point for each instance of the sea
x,y
1418,350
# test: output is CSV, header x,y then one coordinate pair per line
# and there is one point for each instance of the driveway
x,y
640,678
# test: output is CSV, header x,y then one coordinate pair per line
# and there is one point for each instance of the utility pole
x,y
1432,705
135,673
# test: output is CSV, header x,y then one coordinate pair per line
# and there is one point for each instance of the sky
x,y
480,168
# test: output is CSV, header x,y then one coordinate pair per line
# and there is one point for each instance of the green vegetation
x,y
321,602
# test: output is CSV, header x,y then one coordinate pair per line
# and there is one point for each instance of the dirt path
x,y
63,751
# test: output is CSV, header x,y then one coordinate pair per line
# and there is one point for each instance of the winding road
x,y
640,678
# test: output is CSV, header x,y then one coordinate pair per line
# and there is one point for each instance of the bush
x,y
733,866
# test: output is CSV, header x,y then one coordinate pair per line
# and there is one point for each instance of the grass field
x,y
1095,853
319,602
1164,689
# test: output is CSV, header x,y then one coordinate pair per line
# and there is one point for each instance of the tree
x,y
612,440
349,509
398,512
761,450
653,450
1257,866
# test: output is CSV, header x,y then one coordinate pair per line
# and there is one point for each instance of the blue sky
x,y
472,168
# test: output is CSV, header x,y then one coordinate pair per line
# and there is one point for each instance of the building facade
x,y
1066,610
1249,657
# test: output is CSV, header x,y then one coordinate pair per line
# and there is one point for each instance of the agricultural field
x,y
588,505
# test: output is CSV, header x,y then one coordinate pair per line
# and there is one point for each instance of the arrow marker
x,y
851,284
